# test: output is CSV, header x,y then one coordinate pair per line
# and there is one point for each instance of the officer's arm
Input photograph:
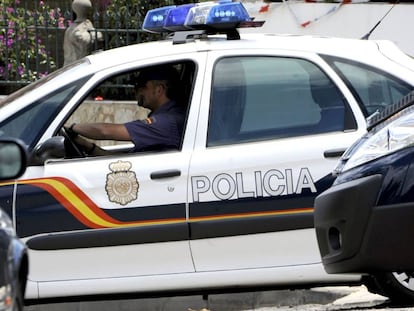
x,y
101,131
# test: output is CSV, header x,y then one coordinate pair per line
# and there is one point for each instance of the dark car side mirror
x,y
13,159
52,148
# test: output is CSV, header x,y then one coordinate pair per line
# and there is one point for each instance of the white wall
x,y
352,20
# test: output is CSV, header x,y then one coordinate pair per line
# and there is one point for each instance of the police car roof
x,y
342,47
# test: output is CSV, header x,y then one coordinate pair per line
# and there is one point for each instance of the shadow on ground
x,y
216,302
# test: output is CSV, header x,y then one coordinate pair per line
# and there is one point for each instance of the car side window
x,y
260,98
114,101
374,89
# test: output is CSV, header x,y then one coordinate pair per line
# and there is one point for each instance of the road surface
x,y
340,298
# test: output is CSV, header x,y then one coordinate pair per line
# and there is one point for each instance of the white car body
x,y
219,252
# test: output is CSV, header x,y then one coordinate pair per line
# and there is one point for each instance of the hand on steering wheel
x,y
71,147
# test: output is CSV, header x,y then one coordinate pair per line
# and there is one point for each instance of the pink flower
x,y
9,43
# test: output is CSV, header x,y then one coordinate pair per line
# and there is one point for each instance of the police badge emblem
x,y
122,184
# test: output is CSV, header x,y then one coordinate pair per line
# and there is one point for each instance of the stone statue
x,y
81,35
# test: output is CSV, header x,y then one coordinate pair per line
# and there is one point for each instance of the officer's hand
x,y
86,146
70,131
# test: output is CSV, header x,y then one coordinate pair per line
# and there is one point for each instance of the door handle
x,y
165,174
334,153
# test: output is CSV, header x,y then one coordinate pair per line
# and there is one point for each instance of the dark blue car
x,y
365,221
13,254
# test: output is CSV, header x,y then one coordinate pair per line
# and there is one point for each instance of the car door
x,y
98,224
272,129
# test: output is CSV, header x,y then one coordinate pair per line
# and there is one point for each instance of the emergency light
x,y
211,16
217,15
155,19
176,17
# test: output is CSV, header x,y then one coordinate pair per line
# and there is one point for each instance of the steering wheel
x,y
72,149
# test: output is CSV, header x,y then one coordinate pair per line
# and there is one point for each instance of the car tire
x,y
397,286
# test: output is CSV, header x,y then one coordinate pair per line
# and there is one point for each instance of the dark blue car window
x,y
259,98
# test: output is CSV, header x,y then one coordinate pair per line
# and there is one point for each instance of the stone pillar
x,y
81,35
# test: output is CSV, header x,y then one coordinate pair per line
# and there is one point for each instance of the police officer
x,y
161,130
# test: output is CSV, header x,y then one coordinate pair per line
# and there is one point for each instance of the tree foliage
x,y
127,17
23,53
31,30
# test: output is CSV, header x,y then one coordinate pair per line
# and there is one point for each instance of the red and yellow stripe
x,y
73,199
82,207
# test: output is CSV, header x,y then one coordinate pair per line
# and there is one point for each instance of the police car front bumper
x,y
355,235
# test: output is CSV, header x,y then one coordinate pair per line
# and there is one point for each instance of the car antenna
x,y
366,36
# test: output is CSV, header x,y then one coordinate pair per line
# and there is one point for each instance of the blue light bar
x,y
227,15
155,18
175,18
213,17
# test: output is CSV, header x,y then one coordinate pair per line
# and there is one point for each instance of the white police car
x,y
268,117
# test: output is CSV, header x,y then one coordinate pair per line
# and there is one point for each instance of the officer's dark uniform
x,y
162,130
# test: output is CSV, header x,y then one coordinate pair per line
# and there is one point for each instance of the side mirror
x,y
13,159
52,148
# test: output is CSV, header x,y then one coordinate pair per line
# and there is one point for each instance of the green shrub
x,y
23,33
127,17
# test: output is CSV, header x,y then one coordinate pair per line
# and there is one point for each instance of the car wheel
x,y
397,286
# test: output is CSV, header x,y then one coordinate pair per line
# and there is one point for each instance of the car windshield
x,y
29,123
